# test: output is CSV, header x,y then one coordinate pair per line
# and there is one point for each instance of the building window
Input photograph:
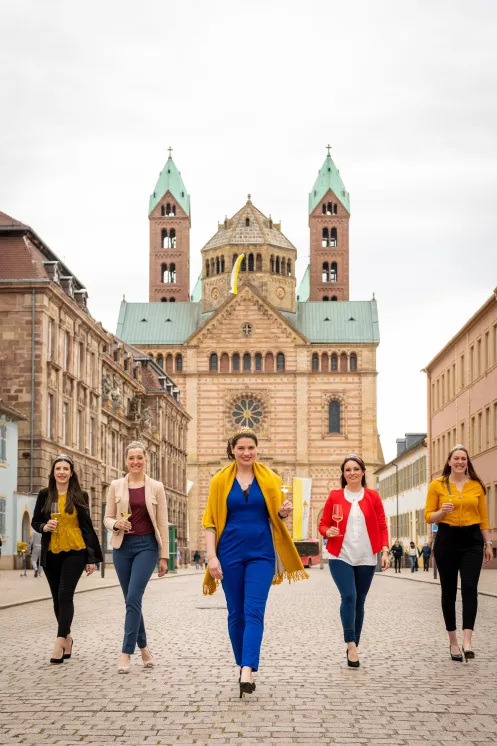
x,y
258,361
50,345
325,241
277,265
3,443
65,423
218,265
315,362
160,361
224,363
333,237
343,363
50,416
283,266
243,264
333,297
258,263
471,363
92,436
325,298
487,428
169,363
280,361
289,267
334,361
269,363
163,238
235,362
179,363
251,263
247,362
325,362
353,361
462,378
333,272
207,268
3,511
247,222
247,330
324,272
222,264
271,264
67,351
81,361
80,424
334,416
247,413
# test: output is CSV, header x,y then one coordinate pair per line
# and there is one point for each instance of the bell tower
x,y
169,216
329,215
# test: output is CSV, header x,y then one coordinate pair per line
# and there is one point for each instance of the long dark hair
x,y
74,492
470,470
359,462
234,440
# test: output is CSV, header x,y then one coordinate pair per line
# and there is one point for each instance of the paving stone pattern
x,y
407,690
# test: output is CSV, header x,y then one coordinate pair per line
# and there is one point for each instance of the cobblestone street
x,y
407,690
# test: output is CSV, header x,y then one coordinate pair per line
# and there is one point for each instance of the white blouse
x,y
356,548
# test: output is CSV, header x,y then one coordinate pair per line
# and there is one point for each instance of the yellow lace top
x,y
68,534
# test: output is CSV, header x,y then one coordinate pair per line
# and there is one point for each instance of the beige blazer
x,y
155,499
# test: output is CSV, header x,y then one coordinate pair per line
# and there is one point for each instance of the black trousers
x,y
63,570
397,562
459,549
426,563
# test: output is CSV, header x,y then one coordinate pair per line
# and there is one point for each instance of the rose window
x,y
247,413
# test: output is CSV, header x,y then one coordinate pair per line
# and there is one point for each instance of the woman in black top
x,y
69,544
397,552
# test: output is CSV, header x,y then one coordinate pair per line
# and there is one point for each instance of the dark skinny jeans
x,y
63,571
353,583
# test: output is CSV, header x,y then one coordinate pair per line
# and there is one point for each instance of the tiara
x,y
243,431
63,457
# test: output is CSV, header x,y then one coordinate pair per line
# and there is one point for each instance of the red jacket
x,y
371,506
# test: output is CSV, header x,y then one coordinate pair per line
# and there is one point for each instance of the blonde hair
x,y
136,444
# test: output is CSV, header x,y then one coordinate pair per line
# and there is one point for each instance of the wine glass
x,y
126,516
54,511
337,515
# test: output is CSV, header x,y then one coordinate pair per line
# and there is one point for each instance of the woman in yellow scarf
x,y
248,547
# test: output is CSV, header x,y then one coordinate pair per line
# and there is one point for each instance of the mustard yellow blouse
x,y
68,534
470,505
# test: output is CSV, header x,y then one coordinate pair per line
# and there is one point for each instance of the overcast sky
x,y
248,94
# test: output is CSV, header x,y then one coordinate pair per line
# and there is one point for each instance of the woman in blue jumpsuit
x,y
244,559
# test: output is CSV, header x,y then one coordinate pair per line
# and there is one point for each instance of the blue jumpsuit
x,y
247,558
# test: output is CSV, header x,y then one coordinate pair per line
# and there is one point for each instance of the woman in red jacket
x,y
353,549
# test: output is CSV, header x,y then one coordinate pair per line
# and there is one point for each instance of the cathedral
x,y
295,362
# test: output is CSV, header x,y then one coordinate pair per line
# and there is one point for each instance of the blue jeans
x,y
134,562
412,562
353,584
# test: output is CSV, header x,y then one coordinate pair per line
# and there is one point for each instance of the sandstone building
x,y
289,362
81,390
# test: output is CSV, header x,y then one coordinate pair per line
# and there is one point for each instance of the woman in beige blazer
x,y
137,545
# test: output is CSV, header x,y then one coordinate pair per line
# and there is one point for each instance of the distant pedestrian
x,y
249,547
206,560
426,554
196,559
353,547
398,552
137,547
178,559
69,544
457,502
412,553
34,546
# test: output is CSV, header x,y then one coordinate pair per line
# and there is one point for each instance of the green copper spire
x,y
170,181
329,178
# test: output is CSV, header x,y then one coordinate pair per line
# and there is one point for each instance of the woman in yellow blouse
x,y
456,501
69,544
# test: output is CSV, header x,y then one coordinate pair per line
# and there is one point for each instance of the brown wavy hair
x,y
359,462
74,492
234,440
470,469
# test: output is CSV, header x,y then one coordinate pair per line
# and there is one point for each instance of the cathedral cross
x,y
329,148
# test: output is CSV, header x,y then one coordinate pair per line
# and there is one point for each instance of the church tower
x,y
169,216
329,215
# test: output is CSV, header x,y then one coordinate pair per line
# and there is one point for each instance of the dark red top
x,y
140,519
372,507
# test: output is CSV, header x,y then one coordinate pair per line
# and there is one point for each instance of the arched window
x,y
224,363
258,361
235,257
160,361
169,363
172,300
334,416
26,523
333,237
179,363
213,362
251,263
333,297
343,362
162,210
277,265
163,300
172,273
235,362
326,238
247,222
173,211
335,208
271,261
243,265
172,238
283,266
269,363
334,362
323,209
168,209
163,238
315,359
222,264
330,208
280,361
325,362
247,362
325,298
213,266
353,361
207,268
324,272
258,263
218,265
333,272
289,267
163,272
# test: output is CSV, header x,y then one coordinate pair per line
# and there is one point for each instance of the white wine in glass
x,y
337,515
126,516
54,511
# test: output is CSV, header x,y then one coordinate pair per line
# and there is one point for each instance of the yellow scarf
x,y
288,563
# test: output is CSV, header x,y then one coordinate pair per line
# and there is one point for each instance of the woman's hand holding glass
x,y
215,568
122,524
51,525
285,509
333,531
447,508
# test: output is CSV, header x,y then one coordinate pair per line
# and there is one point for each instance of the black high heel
x,y
246,687
352,664
457,658
249,682
56,661
66,656
468,654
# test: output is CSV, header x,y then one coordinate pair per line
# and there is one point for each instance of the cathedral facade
x,y
296,364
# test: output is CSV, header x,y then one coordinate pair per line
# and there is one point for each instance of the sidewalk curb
x,y
86,590
432,582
